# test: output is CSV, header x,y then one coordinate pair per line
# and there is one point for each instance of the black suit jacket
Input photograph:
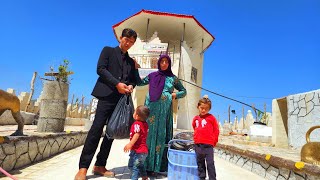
x,y
110,71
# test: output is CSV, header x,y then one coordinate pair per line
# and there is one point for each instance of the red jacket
x,y
206,129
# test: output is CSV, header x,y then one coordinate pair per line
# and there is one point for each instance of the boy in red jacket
x,y
206,132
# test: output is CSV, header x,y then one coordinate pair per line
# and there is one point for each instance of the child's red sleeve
x,y
193,122
215,129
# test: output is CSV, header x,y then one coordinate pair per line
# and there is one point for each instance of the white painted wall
x,y
188,105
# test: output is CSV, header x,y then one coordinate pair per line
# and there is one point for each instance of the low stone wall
x,y
7,119
276,168
75,121
16,152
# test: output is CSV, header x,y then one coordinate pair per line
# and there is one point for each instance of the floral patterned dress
x,y
160,123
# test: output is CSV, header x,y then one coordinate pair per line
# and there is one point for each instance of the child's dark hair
x,y
205,100
127,32
143,112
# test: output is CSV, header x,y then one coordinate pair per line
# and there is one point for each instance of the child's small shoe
x,y
151,173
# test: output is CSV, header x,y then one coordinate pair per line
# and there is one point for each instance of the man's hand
x,y
127,148
122,88
130,88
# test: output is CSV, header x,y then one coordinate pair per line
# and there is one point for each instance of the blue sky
x,y
263,49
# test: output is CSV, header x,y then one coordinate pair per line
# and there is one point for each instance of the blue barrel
x,y
182,165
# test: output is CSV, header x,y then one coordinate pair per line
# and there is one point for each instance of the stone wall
x,y
7,119
75,121
276,168
303,113
16,152
75,110
30,118
280,123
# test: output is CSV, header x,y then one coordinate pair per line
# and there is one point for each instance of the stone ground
x,y
65,165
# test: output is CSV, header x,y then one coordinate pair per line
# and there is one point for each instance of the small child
x,y
138,143
206,132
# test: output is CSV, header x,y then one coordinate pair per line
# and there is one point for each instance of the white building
x,y
184,39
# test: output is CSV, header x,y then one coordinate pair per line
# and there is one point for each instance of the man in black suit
x,y
116,70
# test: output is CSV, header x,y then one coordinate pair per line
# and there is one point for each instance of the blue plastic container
x,y
182,165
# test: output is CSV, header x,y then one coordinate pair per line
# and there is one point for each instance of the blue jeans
x,y
136,165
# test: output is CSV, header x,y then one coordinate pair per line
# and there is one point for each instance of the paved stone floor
x,y
237,141
31,129
65,165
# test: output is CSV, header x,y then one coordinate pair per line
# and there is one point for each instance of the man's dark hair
x,y
143,112
127,32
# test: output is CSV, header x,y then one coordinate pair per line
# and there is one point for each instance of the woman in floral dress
x,y
159,100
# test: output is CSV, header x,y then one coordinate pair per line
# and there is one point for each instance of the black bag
x,y
120,121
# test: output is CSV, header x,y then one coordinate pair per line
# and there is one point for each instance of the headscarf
x,y
158,78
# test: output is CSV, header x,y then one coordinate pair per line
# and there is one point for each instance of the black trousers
x,y
104,110
204,153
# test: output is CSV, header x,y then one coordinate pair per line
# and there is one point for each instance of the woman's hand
x,y
136,65
174,95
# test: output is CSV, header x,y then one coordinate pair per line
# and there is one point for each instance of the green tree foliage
x,y
63,72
